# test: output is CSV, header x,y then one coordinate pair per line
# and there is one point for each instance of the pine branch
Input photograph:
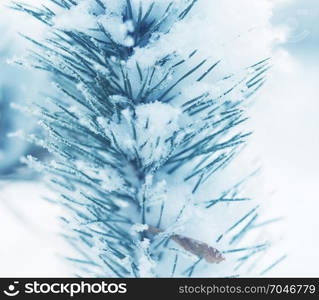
x,y
127,138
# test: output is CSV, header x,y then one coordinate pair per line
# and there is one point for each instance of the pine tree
x,y
139,133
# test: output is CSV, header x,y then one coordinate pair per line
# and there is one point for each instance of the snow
x,y
228,44
116,28
163,118
114,6
145,266
33,163
146,263
157,194
78,17
154,123
85,16
139,227
109,179
29,232
101,69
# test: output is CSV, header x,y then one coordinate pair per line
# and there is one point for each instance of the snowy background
x,y
285,140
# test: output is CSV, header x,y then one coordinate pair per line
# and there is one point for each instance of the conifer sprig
x,y
133,155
